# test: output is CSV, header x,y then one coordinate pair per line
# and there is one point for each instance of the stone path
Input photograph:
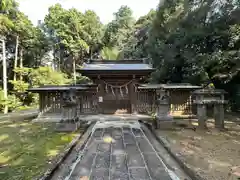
x,y
119,152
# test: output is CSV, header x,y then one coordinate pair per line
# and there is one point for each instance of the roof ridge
x,y
134,61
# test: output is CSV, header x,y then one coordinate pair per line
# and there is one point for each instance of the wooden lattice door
x,y
116,98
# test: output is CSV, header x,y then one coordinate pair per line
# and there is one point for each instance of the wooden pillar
x,y
100,95
43,100
80,102
133,96
40,101
48,99
53,99
61,103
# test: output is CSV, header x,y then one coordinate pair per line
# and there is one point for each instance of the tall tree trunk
x,y
4,74
61,57
21,63
16,58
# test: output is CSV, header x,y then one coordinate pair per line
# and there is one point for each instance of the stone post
x,y
202,115
219,116
69,106
214,97
163,110
201,111
69,121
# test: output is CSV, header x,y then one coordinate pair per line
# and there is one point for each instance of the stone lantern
x,y
69,109
69,120
205,97
163,108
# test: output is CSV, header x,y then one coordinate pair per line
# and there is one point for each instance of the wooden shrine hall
x,y
116,85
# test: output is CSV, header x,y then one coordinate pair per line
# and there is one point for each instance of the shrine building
x,y
117,85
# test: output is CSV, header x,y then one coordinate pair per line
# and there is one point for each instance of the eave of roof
x,y
168,86
115,67
120,72
210,91
61,87
124,61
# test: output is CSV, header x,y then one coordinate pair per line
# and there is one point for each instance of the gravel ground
x,y
212,154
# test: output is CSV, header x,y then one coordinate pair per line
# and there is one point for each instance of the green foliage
x,y
190,43
32,77
119,30
7,9
80,79
5,24
11,102
24,71
137,44
20,86
109,53
47,76
72,33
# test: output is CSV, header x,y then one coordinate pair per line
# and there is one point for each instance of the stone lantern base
x,y
164,122
164,119
67,126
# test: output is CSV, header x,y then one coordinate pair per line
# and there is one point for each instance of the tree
x,y
19,40
22,31
94,31
5,24
119,30
136,46
196,42
4,73
74,34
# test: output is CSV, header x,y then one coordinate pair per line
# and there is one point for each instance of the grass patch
x,y
26,148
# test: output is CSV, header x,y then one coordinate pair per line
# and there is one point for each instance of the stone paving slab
x,y
119,154
100,174
119,175
139,174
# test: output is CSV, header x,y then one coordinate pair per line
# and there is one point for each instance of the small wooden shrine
x,y
117,82
180,96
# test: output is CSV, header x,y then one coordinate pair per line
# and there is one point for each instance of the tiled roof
x,y
59,88
116,67
169,86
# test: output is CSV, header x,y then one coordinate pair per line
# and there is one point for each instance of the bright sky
x,y
37,9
